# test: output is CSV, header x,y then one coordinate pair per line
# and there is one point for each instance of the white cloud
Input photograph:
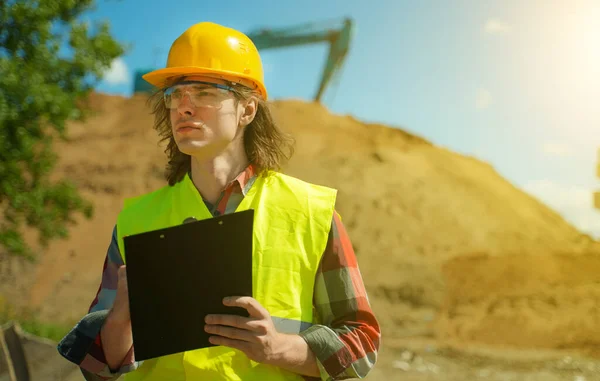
x,y
495,26
574,203
483,99
118,73
557,149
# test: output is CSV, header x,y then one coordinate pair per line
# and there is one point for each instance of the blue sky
x,y
515,83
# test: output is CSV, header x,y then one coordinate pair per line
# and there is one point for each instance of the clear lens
x,y
200,94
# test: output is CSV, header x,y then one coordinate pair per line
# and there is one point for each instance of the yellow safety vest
x,y
291,226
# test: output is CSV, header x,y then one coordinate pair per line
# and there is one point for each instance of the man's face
x,y
204,118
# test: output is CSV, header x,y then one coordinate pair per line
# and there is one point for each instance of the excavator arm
x,y
338,39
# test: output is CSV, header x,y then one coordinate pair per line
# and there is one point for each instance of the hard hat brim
x,y
160,78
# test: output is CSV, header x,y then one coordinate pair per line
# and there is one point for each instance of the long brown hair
x,y
266,145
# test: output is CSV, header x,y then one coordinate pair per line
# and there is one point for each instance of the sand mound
x,y
409,207
526,300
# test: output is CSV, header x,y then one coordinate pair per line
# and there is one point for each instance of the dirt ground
x,y
428,360
413,359
455,258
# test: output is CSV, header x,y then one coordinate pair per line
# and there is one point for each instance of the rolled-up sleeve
x,y
83,344
347,339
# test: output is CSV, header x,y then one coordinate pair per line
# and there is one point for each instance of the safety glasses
x,y
200,94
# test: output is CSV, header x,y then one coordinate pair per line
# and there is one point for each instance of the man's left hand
x,y
256,335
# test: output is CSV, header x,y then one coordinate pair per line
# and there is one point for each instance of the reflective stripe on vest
x,y
292,221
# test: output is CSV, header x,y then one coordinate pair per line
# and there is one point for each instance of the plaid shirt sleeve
x,y
346,341
83,344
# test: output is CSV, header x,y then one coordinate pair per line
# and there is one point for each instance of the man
x,y
309,317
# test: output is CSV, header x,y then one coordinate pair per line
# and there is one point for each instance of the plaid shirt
x,y
345,343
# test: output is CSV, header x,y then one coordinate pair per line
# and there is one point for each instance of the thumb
x,y
122,274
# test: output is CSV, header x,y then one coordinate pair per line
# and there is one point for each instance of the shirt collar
x,y
244,180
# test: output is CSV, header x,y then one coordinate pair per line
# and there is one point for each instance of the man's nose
x,y
185,106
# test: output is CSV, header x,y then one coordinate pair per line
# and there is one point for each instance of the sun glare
x,y
568,66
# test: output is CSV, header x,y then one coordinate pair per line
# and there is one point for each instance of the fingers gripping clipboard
x,y
178,275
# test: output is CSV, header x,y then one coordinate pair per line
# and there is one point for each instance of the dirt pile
x,y
549,301
409,206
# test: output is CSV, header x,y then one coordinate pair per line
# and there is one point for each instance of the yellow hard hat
x,y
214,50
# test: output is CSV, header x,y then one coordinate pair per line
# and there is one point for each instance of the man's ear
x,y
250,107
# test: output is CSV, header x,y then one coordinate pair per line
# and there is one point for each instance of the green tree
x,y
49,62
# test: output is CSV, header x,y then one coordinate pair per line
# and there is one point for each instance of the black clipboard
x,y
178,275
